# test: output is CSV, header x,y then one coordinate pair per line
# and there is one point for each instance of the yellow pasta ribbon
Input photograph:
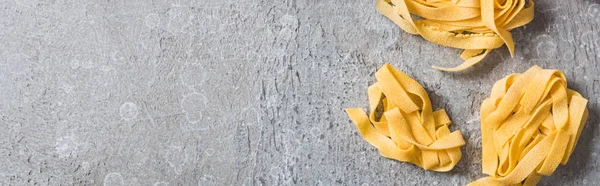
x,y
477,26
529,124
402,125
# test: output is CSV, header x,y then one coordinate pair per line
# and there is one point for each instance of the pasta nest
x,y
402,125
529,125
477,26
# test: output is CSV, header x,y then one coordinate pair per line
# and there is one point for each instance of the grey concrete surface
x,y
248,92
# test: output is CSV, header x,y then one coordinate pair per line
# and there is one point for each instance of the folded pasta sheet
x,y
402,125
477,26
529,125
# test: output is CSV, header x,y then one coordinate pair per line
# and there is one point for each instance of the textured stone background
x,y
248,92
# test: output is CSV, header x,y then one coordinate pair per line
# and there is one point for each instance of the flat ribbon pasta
x,y
478,26
407,130
530,124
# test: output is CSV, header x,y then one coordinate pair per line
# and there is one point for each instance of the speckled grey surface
x,y
248,92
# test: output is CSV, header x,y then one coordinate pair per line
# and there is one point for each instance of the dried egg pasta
x,y
408,130
477,26
530,124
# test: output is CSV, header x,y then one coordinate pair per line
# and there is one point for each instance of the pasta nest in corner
x,y
529,125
